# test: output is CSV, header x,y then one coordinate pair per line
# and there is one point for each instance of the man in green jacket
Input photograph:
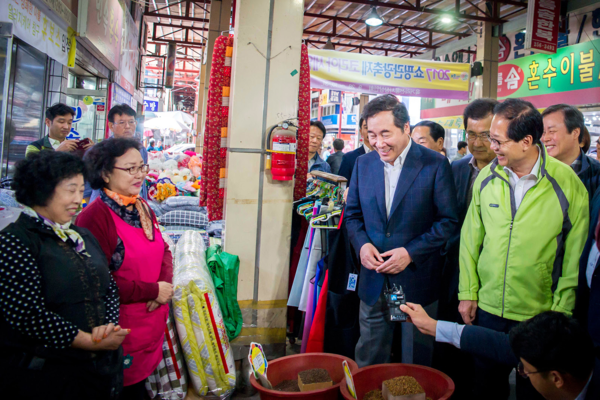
x,y
521,239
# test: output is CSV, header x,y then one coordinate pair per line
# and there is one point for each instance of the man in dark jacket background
x,y
563,133
335,160
350,158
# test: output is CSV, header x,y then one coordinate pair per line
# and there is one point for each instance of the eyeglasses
x,y
484,138
499,143
134,170
124,123
521,371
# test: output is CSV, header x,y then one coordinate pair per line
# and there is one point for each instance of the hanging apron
x,y
143,262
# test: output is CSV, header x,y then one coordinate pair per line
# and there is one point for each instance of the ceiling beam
x,y
366,39
161,42
175,17
357,46
416,28
425,10
510,3
180,27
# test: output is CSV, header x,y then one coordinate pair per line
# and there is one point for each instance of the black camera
x,y
394,297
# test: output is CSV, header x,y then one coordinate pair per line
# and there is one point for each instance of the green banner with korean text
x,y
571,76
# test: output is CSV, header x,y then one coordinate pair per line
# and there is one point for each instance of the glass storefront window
x,y
24,116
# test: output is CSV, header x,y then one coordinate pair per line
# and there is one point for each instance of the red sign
x,y
504,49
510,79
542,26
100,108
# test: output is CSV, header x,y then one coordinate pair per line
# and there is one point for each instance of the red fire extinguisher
x,y
281,143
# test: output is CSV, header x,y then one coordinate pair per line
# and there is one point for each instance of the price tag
x,y
349,379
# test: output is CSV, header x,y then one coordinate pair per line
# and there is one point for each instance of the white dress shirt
x,y
521,185
55,143
392,175
367,149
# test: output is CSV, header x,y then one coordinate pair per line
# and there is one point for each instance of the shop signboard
x,y
150,105
569,76
34,27
100,24
364,73
334,96
129,55
542,26
330,121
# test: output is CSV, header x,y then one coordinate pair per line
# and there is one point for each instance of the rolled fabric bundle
x,y
199,320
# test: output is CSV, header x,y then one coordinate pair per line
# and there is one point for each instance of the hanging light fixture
x,y
328,45
373,18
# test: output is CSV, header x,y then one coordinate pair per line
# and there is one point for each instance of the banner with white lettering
x,y
541,34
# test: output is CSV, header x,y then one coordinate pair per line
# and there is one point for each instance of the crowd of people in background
x,y
501,246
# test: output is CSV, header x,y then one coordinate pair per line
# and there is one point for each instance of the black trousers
x,y
25,378
490,378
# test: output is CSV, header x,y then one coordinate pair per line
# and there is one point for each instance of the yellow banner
x,y
72,40
354,72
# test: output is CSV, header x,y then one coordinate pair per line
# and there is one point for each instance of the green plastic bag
x,y
224,268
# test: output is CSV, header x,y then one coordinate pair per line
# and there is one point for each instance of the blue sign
x,y
351,119
330,120
73,134
150,105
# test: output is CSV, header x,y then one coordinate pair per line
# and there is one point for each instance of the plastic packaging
x,y
199,321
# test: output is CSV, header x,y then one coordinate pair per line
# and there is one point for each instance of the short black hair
x,y
360,122
101,159
461,145
524,119
573,117
435,130
387,102
319,125
37,176
338,144
120,109
479,109
551,341
58,110
586,142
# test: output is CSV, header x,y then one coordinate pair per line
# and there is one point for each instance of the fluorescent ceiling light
x,y
373,18
446,19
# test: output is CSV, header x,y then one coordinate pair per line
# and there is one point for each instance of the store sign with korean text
x,y
35,28
100,24
129,55
363,73
150,105
570,69
542,26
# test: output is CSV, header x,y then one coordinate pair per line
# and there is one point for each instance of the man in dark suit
x,y
350,158
335,159
587,307
564,128
552,350
401,210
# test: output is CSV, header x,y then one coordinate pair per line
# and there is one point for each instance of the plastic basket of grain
x,y
287,369
437,385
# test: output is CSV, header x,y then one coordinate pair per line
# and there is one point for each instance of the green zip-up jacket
x,y
519,263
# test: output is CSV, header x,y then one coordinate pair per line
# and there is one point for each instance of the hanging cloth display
x,y
316,338
303,126
224,269
214,153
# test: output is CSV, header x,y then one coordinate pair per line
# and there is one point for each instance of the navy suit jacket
x,y
348,162
422,219
589,175
587,306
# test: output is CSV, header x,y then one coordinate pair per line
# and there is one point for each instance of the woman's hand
x,y
113,339
165,292
152,305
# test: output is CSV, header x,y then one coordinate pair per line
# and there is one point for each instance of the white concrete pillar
x,y
258,210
